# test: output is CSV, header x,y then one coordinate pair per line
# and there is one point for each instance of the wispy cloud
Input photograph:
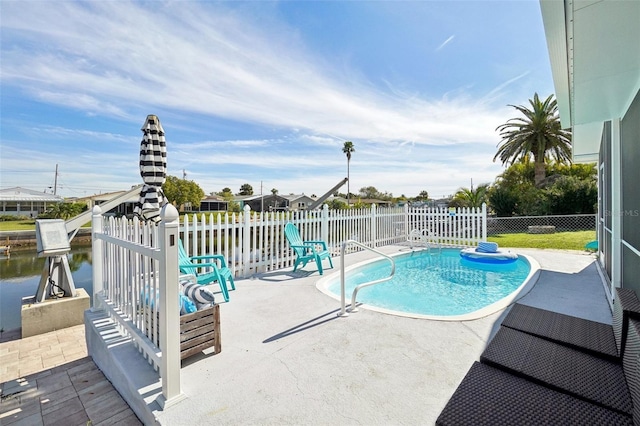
x,y
444,43
498,90
205,59
122,59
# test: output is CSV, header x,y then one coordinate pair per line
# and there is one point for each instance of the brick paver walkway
x,y
50,380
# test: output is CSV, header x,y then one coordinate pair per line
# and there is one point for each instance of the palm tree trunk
x,y
540,173
348,181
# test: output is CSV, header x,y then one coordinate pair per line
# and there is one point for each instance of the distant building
x,y
19,201
91,201
213,203
257,203
299,201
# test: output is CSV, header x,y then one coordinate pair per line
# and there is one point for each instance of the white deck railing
x,y
135,264
135,281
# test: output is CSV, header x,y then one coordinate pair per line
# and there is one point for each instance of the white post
x,y
484,221
246,241
325,223
374,226
97,256
406,220
169,306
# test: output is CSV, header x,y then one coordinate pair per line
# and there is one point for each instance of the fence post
x,y
374,226
246,241
484,221
169,306
325,223
97,256
406,220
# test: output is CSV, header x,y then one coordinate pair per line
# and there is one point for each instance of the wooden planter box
x,y
199,331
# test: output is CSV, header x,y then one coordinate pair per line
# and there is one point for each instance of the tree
x,y
502,201
274,191
572,195
369,192
373,193
422,196
246,189
227,195
64,210
539,135
469,197
348,149
181,191
336,204
567,189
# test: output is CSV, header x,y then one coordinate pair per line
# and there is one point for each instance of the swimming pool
x,y
435,285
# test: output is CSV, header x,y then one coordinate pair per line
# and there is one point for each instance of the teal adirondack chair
x,y
215,271
306,250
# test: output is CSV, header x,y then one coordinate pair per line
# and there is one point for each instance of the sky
x,y
265,92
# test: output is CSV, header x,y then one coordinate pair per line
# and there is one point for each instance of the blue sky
x,y
265,93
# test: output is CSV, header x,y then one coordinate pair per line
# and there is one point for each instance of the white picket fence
x,y
135,264
255,242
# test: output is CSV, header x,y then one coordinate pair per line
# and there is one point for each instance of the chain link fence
x,y
541,224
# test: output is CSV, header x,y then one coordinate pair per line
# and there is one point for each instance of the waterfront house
x,y
19,201
299,201
264,202
213,203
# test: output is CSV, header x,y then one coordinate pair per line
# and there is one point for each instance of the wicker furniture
x,y
546,368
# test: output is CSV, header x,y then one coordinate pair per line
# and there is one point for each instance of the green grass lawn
x,y
18,225
560,240
24,225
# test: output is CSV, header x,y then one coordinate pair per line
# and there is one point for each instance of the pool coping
x,y
494,307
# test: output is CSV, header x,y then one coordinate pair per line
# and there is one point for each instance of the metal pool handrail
x,y
343,309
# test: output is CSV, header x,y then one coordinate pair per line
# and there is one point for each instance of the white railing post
x,y
406,220
484,221
246,241
325,223
169,306
97,255
374,226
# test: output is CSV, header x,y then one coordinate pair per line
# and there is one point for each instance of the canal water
x,y
20,275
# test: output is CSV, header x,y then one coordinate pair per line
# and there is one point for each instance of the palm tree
x,y
469,197
538,134
348,148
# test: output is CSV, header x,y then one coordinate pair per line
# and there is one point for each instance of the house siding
x,y
630,166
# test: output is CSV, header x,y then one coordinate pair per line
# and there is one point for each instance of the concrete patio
x,y
288,359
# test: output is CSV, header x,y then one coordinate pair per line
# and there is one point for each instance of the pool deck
x,y
288,359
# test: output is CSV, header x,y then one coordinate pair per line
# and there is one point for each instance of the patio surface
x,y
288,359
48,379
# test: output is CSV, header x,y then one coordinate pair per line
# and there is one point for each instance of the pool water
x,y
433,284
